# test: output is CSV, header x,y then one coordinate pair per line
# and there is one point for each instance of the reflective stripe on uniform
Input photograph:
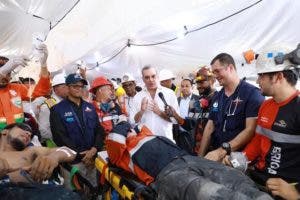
x,y
117,138
50,102
107,118
140,143
278,137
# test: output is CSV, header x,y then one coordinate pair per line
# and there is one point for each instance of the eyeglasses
x,y
77,86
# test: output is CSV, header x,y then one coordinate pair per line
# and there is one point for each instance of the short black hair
x,y
146,67
23,126
224,58
187,79
3,60
291,76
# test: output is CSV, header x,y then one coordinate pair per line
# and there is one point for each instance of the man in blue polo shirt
x,y
232,118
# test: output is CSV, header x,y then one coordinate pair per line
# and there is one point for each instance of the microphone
x,y
161,96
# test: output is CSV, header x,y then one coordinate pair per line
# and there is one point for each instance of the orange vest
x,y
121,151
11,97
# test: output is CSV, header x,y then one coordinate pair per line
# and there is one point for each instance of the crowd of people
x,y
188,141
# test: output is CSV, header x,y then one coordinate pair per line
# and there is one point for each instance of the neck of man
x,y
283,93
231,86
4,146
186,96
152,92
75,100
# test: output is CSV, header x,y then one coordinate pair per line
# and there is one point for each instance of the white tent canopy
x,y
96,30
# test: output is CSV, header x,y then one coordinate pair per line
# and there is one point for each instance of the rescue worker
x,y
232,117
59,92
205,81
276,145
11,95
173,174
108,111
128,83
75,124
166,78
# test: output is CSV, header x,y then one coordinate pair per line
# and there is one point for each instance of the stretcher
x,y
126,185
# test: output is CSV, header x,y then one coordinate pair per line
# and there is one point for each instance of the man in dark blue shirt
x,y
232,118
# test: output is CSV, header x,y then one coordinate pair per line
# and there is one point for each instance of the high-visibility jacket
x,y
11,97
276,145
108,118
144,154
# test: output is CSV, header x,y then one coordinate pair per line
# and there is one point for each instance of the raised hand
x,y
13,63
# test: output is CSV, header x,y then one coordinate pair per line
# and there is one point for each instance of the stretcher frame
x,y
113,178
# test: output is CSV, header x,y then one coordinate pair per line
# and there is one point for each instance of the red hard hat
x,y
100,81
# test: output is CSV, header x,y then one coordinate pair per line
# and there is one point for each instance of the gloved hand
x,y
13,63
239,161
43,54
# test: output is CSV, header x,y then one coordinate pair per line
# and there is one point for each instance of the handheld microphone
x,y
161,96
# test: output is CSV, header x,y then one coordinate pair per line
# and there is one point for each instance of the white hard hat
x,y
127,78
59,79
265,62
166,74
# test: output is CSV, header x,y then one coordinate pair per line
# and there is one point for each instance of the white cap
x,y
127,78
59,79
265,62
165,74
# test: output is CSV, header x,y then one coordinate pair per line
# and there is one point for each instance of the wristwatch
x,y
226,146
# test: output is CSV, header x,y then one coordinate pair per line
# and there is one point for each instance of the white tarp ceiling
x,y
95,30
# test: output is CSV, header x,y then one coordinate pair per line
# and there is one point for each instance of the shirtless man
x,y
22,164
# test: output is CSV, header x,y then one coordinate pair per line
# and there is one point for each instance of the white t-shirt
x,y
155,123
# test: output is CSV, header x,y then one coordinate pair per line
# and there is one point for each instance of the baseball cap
x,y
74,78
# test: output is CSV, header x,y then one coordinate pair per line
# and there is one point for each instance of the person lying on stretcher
x,y
29,165
171,172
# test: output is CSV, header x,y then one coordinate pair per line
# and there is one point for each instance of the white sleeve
x,y
133,110
173,102
44,122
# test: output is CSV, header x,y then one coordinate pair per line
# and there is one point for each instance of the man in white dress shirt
x,y
148,108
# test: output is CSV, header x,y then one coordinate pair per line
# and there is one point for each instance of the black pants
x,y
26,191
191,177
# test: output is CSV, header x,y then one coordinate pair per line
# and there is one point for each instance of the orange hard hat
x,y
203,73
98,82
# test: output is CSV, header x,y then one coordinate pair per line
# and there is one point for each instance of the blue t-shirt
x,y
229,113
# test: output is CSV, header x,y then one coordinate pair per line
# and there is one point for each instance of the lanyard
x,y
229,108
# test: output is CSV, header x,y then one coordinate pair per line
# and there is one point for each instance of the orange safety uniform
x,y
11,97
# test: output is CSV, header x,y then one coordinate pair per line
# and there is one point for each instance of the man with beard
x,y
205,85
23,169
